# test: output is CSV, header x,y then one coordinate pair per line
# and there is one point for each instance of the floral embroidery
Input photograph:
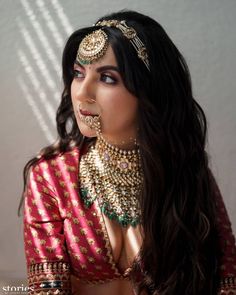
x,y
49,277
228,286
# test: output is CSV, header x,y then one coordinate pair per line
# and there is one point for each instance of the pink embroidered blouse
x,y
63,237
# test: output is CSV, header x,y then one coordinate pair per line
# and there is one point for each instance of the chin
x,y
86,131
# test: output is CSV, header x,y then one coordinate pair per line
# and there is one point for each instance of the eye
x,y
77,73
108,79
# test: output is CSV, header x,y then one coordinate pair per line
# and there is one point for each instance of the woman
x,y
124,201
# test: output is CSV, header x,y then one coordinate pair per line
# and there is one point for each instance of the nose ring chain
x,y
92,122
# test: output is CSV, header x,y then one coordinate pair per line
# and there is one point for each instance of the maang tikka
x,y
95,44
92,47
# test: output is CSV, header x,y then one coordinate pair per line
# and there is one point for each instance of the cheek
x,y
74,103
119,111
72,91
74,99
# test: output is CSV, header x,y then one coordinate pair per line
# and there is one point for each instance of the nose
x,y
85,90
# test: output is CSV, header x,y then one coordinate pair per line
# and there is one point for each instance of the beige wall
x,y
32,36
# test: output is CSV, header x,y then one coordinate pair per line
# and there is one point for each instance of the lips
x,y
91,120
86,113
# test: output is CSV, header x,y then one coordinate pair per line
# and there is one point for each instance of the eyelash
x,y
78,74
105,76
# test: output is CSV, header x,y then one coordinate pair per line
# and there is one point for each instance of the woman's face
x,y
97,89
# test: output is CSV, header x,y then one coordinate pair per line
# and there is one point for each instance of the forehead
x,y
108,58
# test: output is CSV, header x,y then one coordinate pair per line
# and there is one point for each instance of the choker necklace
x,y
113,177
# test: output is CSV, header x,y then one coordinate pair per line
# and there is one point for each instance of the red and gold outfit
x,y
63,237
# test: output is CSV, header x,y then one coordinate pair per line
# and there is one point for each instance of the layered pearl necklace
x,y
113,177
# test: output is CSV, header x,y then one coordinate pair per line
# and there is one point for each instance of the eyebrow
x,y
101,69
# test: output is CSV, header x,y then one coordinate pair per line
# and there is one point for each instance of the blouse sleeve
x,y
227,263
48,267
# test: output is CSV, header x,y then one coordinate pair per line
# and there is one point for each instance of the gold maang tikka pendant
x,y
92,47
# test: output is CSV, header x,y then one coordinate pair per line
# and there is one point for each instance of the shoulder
x,y
58,171
63,161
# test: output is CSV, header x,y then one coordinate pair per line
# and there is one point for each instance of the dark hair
x,y
179,252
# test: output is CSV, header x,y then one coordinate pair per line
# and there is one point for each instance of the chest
x,y
125,242
99,249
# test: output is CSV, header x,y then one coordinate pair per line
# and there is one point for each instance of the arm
x,y
47,261
227,263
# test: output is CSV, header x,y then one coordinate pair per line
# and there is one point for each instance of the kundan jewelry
x,y
92,47
95,44
92,121
112,177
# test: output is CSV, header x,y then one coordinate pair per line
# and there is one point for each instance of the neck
x,y
126,161
124,145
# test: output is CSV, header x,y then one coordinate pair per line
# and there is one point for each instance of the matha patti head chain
x,y
95,44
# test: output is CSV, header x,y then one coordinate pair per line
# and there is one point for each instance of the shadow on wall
x,y
43,30
39,31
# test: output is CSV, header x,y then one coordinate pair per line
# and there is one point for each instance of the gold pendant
x,y
92,47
